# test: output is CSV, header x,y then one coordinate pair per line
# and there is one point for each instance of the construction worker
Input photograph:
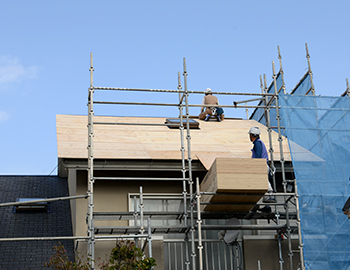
x,y
207,112
259,151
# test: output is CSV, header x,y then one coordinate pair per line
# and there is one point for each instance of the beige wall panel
x,y
266,251
112,196
234,175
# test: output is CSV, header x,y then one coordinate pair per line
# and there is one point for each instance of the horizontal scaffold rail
x,y
164,215
240,203
102,237
180,91
247,194
136,229
131,215
245,227
135,124
231,194
140,178
183,229
44,200
43,238
176,104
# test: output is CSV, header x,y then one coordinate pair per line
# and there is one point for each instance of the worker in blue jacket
x,y
259,151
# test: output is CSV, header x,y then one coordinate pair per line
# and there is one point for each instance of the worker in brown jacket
x,y
206,112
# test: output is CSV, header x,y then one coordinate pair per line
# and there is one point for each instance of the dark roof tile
x,y
57,222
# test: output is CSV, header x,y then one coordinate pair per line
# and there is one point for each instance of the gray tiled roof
x,y
56,222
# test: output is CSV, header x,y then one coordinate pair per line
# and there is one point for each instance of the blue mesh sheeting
x,y
258,114
318,130
304,86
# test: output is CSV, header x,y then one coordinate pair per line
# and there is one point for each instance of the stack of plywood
x,y
241,183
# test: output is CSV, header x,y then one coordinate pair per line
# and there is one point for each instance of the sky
x,y
45,57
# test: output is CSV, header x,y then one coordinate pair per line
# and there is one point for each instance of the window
x,y
31,207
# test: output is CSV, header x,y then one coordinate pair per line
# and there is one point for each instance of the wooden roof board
x,y
228,138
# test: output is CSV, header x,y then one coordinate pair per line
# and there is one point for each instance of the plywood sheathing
x,y
234,176
214,139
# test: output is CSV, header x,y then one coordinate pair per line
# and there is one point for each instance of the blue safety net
x,y
259,113
304,86
318,131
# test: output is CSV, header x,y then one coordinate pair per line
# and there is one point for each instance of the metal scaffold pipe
x,y
134,124
43,238
142,229
309,70
139,178
173,104
149,238
199,225
189,159
44,200
281,70
90,192
268,124
274,76
180,91
301,245
284,182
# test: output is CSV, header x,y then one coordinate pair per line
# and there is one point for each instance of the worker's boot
x,y
207,117
265,209
269,198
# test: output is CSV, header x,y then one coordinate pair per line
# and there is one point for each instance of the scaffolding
x,y
191,199
192,216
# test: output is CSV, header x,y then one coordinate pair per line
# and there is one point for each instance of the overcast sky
x,y
46,46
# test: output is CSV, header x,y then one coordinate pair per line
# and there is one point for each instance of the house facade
x,y
139,166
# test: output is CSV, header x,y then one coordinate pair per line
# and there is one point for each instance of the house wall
x,y
72,187
265,251
112,196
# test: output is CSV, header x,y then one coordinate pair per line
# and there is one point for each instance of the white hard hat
x,y
254,131
207,91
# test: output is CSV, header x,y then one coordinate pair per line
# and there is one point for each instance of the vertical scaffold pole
x,y
281,70
290,253
310,72
184,184
199,224
149,239
189,158
90,191
247,111
142,228
347,87
284,182
280,139
182,149
135,219
301,245
193,248
268,125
